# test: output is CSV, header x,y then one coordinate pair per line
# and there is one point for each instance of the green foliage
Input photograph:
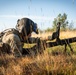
x,y
62,19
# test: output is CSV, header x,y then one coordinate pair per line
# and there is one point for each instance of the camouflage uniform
x,y
24,28
14,41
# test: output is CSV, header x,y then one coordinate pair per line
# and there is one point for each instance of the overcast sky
x,y
42,12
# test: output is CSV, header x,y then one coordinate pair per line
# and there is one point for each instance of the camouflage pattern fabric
x,y
24,28
14,42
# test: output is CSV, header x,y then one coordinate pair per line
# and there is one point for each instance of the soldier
x,y
25,27
15,37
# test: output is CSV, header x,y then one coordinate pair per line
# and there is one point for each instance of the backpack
x,y
9,31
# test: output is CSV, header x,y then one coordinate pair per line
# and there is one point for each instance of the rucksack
x,y
9,31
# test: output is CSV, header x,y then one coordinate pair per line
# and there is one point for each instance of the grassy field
x,y
52,62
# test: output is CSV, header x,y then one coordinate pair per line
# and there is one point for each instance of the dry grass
x,y
63,34
47,63
68,34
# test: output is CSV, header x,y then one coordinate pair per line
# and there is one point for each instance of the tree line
x,y
65,25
